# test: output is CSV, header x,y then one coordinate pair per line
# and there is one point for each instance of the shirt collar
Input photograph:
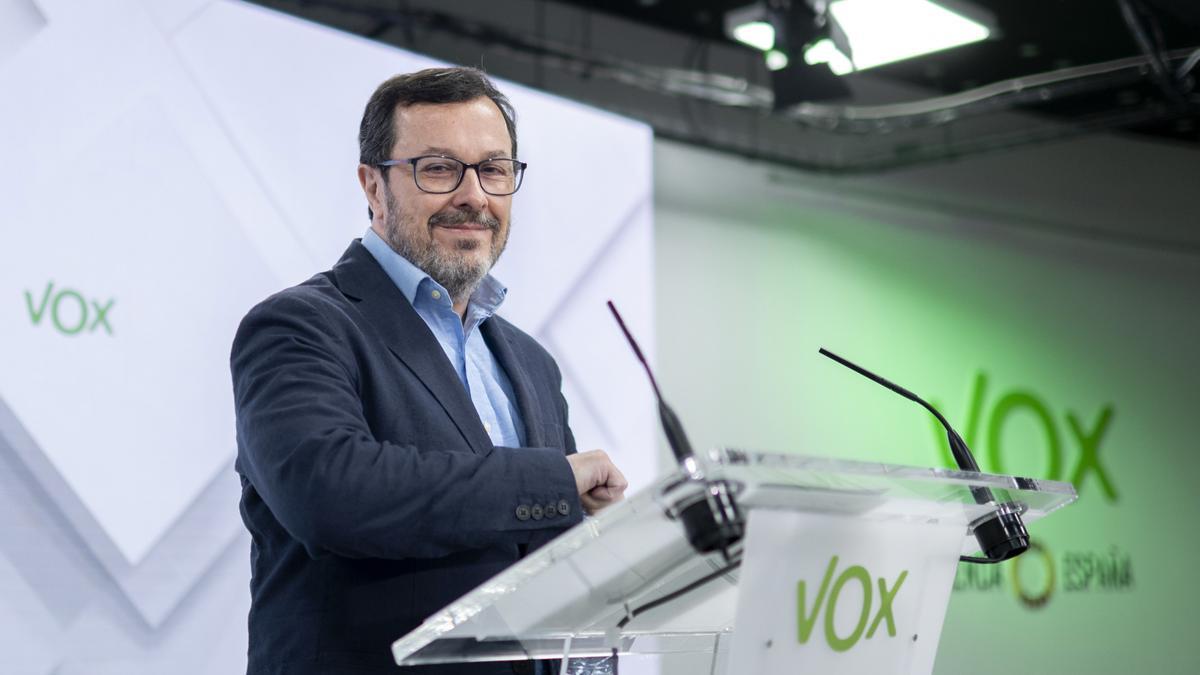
x,y
409,279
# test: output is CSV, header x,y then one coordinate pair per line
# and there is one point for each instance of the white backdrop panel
x,y
167,165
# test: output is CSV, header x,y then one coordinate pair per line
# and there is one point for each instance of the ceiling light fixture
x,y
886,31
757,34
876,32
776,60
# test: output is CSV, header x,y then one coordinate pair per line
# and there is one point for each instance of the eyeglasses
x,y
438,175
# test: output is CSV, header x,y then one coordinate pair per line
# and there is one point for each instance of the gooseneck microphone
x,y
680,446
712,522
958,447
1001,533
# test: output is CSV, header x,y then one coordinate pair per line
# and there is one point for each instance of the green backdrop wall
x,y
1055,355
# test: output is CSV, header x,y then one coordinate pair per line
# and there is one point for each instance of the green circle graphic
x,y
1034,601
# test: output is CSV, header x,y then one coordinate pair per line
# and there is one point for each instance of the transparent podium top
x,y
574,594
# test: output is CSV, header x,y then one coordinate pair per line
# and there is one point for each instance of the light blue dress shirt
x,y
485,381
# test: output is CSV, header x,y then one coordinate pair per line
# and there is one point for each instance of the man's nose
x,y
470,191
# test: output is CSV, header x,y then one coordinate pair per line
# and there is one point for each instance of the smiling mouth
x,y
465,221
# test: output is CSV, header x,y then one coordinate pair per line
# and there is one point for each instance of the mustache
x,y
462,217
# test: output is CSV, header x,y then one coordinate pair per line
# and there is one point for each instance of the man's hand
x,y
598,480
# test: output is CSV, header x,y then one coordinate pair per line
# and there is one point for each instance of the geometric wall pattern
x,y
167,164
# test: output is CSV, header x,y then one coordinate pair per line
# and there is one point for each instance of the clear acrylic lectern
x,y
607,583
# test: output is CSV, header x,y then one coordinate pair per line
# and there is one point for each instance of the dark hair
x,y
377,132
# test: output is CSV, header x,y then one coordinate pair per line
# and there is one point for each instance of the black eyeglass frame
x,y
521,166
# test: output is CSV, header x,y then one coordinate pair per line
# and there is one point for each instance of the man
x,y
398,443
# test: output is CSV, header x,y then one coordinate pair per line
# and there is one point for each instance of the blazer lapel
x,y
496,336
405,333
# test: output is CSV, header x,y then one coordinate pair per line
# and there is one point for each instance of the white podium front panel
x,y
832,593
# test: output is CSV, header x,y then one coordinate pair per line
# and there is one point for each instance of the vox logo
x,y
68,312
1085,436
827,599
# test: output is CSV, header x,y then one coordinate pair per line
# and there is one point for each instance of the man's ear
x,y
373,186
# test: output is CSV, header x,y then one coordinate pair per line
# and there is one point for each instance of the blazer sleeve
x,y
306,448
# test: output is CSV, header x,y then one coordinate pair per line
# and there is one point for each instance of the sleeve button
x,y
536,512
564,507
551,510
523,512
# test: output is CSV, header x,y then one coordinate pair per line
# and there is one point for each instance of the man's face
x,y
454,237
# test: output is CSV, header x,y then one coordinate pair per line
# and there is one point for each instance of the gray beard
x,y
457,275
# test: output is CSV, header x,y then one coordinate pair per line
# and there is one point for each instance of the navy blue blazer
x,y
372,492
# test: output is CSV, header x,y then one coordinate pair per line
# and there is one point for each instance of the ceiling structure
x,y
1053,69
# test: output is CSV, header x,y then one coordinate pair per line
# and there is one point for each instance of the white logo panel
x,y
840,593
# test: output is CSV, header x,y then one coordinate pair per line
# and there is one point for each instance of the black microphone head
x,y
1002,534
714,523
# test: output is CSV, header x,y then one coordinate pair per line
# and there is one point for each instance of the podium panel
x,y
628,580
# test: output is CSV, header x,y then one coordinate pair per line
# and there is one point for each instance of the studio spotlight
x,y
878,32
813,38
781,29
